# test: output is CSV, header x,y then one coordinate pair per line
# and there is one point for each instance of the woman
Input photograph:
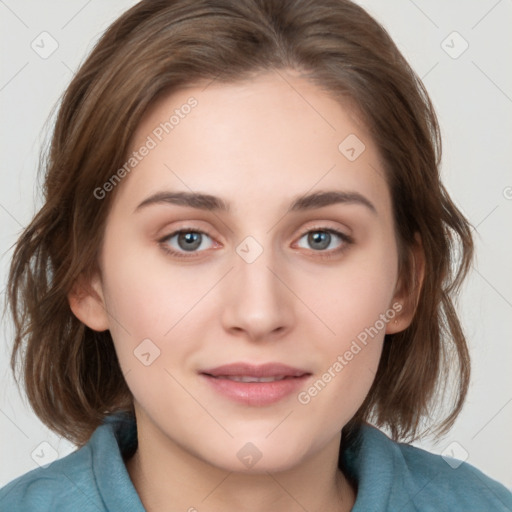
x,y
245,256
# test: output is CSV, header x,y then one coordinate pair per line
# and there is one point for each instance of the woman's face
x,y
291,260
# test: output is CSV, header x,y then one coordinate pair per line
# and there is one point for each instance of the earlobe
x,y
408,294
87,303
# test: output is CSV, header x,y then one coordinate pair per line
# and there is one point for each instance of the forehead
x,y
274,136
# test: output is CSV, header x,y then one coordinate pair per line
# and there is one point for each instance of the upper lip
x,y
250,370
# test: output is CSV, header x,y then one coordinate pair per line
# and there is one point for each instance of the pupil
x,y
320,237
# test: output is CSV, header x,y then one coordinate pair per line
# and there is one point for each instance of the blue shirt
x,y
390,476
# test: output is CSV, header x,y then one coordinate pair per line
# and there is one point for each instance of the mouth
x,y
255,385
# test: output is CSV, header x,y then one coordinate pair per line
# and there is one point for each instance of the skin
x,y
257,145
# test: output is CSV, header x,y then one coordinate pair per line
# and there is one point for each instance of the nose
x,y
258,304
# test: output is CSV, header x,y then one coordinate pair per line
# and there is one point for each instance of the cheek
x,y
149,294
149,299
156,324
356,304
352,296
350,360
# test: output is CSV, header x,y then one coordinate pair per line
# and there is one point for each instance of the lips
x,y
251,385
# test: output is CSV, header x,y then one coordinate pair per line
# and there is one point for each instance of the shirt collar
x,y
370,449
113,439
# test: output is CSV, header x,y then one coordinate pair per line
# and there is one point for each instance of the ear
x,y
86,300
408,289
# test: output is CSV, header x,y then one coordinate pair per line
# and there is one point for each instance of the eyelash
x,y
347,241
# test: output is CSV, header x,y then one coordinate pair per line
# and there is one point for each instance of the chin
x,y
256,456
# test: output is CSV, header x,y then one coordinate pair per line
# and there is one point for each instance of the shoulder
x,y
66,484
91,479
416,479
436,478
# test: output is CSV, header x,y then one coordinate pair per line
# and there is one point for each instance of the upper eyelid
x,y
320,227
186,229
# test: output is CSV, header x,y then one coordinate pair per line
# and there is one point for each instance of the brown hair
x,y
71,373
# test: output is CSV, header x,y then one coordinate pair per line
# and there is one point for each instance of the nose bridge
x,y
258,302
253,266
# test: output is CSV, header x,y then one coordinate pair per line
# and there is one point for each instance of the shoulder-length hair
x,y
71,373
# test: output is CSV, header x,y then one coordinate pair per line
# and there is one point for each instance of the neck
x,y
175,480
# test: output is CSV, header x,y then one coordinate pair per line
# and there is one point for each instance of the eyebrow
x,y
212,203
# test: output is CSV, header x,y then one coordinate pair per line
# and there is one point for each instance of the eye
x,y
320,239
185,241
193,241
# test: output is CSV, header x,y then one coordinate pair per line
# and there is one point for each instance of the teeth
x,y
245,378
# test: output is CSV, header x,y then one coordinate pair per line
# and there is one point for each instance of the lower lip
x,y
256,393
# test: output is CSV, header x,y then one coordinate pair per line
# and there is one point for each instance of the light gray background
x,y
473,97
